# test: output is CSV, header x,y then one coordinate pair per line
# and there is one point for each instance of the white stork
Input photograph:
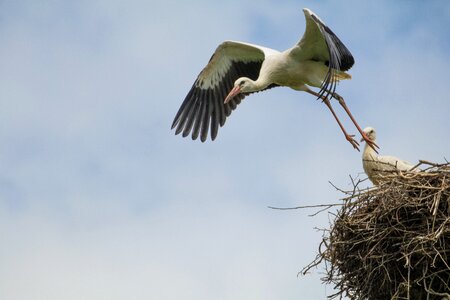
x,y
376,165
238,69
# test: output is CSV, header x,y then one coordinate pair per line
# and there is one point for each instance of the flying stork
x,y
237,69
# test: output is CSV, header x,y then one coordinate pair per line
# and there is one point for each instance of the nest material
x,y
392,241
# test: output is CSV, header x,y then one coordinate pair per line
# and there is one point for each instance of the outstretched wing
x,y
203,109
320,44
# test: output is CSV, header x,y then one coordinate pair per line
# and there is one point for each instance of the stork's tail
x,y
339,75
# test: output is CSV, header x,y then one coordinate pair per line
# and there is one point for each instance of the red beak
x,y
235,91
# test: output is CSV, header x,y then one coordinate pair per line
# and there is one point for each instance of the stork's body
x,y
237,69
283,69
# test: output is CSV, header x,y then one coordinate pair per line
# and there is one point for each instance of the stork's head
x,y
241,85
371,134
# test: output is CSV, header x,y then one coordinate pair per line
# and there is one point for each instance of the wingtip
x,y
179,130
213,137
310,13
186,133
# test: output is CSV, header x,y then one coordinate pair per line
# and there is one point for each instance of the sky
x,y
100,200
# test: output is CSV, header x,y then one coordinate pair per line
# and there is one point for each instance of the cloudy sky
x,y
100,200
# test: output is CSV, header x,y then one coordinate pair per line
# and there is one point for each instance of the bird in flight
x,y
237,69
375,166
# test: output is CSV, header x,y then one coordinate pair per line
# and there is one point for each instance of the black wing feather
x,y
198,123
340,58
206,118
215,114
204,108
190,116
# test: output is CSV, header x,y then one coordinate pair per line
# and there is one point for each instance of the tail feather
x,y
338,76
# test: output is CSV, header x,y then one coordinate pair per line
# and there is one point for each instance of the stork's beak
x,y
235,91
362,140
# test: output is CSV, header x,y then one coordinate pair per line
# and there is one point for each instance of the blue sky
x,y
99,199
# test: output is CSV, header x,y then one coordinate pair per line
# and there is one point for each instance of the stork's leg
x,y
328,104
364,136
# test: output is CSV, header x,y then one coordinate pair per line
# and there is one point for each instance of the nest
x,y
392,241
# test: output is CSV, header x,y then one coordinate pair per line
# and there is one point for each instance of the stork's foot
x,y
371,144
351,140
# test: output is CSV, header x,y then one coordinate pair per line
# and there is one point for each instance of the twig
x,y
306,206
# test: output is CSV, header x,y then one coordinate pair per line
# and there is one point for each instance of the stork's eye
x,y
242,82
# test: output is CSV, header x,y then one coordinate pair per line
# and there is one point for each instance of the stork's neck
x,y
257,85
261,84
368,152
